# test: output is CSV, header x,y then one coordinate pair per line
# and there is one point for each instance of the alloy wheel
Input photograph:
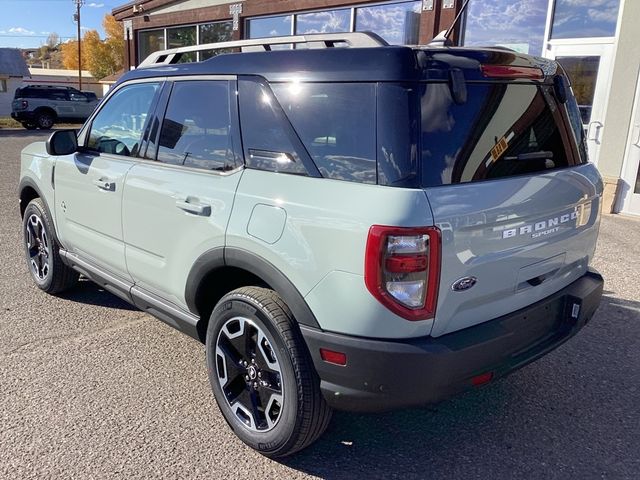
x,y
38,247
249,374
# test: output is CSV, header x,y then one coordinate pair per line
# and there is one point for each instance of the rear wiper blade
x,y
531,156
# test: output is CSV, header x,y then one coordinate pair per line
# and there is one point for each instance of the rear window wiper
x,y
541,155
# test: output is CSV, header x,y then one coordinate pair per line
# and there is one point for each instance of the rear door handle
x,y
595,136
194,207
105,184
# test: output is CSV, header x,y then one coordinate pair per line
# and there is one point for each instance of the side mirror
x,y
62,142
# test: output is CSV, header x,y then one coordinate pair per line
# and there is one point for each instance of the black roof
x,y
385,63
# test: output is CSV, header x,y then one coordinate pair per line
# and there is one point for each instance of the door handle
x,y
194,207
636,135
598,128
105,184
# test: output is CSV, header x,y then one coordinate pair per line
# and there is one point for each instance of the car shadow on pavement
x,y
92,294
533,424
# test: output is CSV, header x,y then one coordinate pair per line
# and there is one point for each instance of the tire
x,y
30,126
42,250
45,120
293,413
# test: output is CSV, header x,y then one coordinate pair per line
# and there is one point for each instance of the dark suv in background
x,y
41,106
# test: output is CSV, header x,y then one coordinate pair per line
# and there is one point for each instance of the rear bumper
x,y
383,375
26,116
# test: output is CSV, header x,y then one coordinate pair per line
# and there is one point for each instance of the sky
x,y
28,23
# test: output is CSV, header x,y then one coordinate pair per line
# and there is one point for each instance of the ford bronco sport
x,y
361,228
41,106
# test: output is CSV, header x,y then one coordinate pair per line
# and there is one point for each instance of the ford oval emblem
x,y
464,283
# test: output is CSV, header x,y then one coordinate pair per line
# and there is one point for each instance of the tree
x,y
53,40
101,57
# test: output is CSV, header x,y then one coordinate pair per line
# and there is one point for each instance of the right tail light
x,y
402,269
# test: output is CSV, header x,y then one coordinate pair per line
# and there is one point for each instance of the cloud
x,y
95,5
21,31
85,29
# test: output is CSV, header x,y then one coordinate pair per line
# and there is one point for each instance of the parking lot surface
x,y
92,388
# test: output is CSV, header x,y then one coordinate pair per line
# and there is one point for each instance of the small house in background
x,y
108,82
63,78
12,70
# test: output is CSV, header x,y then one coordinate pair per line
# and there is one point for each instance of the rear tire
x,y
30,126
45,120
42,250
262,375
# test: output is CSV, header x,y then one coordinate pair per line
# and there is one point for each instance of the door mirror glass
x,y
62,142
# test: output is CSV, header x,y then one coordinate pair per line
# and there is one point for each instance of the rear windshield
x,y
501,130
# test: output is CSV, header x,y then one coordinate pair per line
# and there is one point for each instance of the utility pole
x,y
76,17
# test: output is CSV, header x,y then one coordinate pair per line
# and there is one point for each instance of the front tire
x,y
42,250
262,375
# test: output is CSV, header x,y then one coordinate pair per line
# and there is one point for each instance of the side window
x,y
267,144
337,124
196,130
77,97
118,126
56,95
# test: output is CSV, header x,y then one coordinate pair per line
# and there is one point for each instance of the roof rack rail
x,y
317,40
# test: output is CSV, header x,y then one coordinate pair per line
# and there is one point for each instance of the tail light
x,y
402,269
510,71
25,104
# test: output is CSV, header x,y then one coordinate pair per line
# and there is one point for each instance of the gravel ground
x,y
91,388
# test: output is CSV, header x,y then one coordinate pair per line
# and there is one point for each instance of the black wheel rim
x,y
249,374
38,248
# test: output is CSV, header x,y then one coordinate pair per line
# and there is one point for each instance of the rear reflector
x,y
482,379
330,356
509,71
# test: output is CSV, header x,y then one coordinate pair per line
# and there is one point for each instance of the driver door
x,y
89,183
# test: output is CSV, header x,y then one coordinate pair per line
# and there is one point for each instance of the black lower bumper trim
x,y
384,375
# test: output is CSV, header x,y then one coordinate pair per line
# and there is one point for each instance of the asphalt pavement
x,y
93,388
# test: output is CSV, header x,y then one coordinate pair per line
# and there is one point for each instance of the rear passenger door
x,y
178,198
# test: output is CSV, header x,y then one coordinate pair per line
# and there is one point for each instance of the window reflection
x,y
397,23
585,18
149,42
516,24
323,22
270,26
213,33
182,37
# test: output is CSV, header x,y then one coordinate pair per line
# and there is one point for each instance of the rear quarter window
x,y
337,125
502,130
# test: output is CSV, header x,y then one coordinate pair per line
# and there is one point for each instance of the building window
x,y
518,25
3,85
270,26
576,19
150,41
214,33
327,21
397,23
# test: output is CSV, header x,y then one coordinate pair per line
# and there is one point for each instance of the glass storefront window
x,y
327,21
397,23
270,26
583,73
148,42
516,24
213,33
582,18
182,37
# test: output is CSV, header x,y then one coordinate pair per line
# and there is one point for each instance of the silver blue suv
x,y
360,228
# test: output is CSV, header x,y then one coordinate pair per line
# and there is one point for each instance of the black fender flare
x,y
28,182
237,257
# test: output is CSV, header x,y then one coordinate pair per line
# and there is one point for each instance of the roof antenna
x,y
442,39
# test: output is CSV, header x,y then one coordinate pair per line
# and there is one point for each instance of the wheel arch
x,y
28,190
221,270
46,110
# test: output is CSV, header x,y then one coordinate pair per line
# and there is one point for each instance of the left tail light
x,y
402,269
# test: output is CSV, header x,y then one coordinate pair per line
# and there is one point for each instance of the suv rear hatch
x,y
504,166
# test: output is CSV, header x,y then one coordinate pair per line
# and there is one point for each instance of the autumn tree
x,y
101,57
